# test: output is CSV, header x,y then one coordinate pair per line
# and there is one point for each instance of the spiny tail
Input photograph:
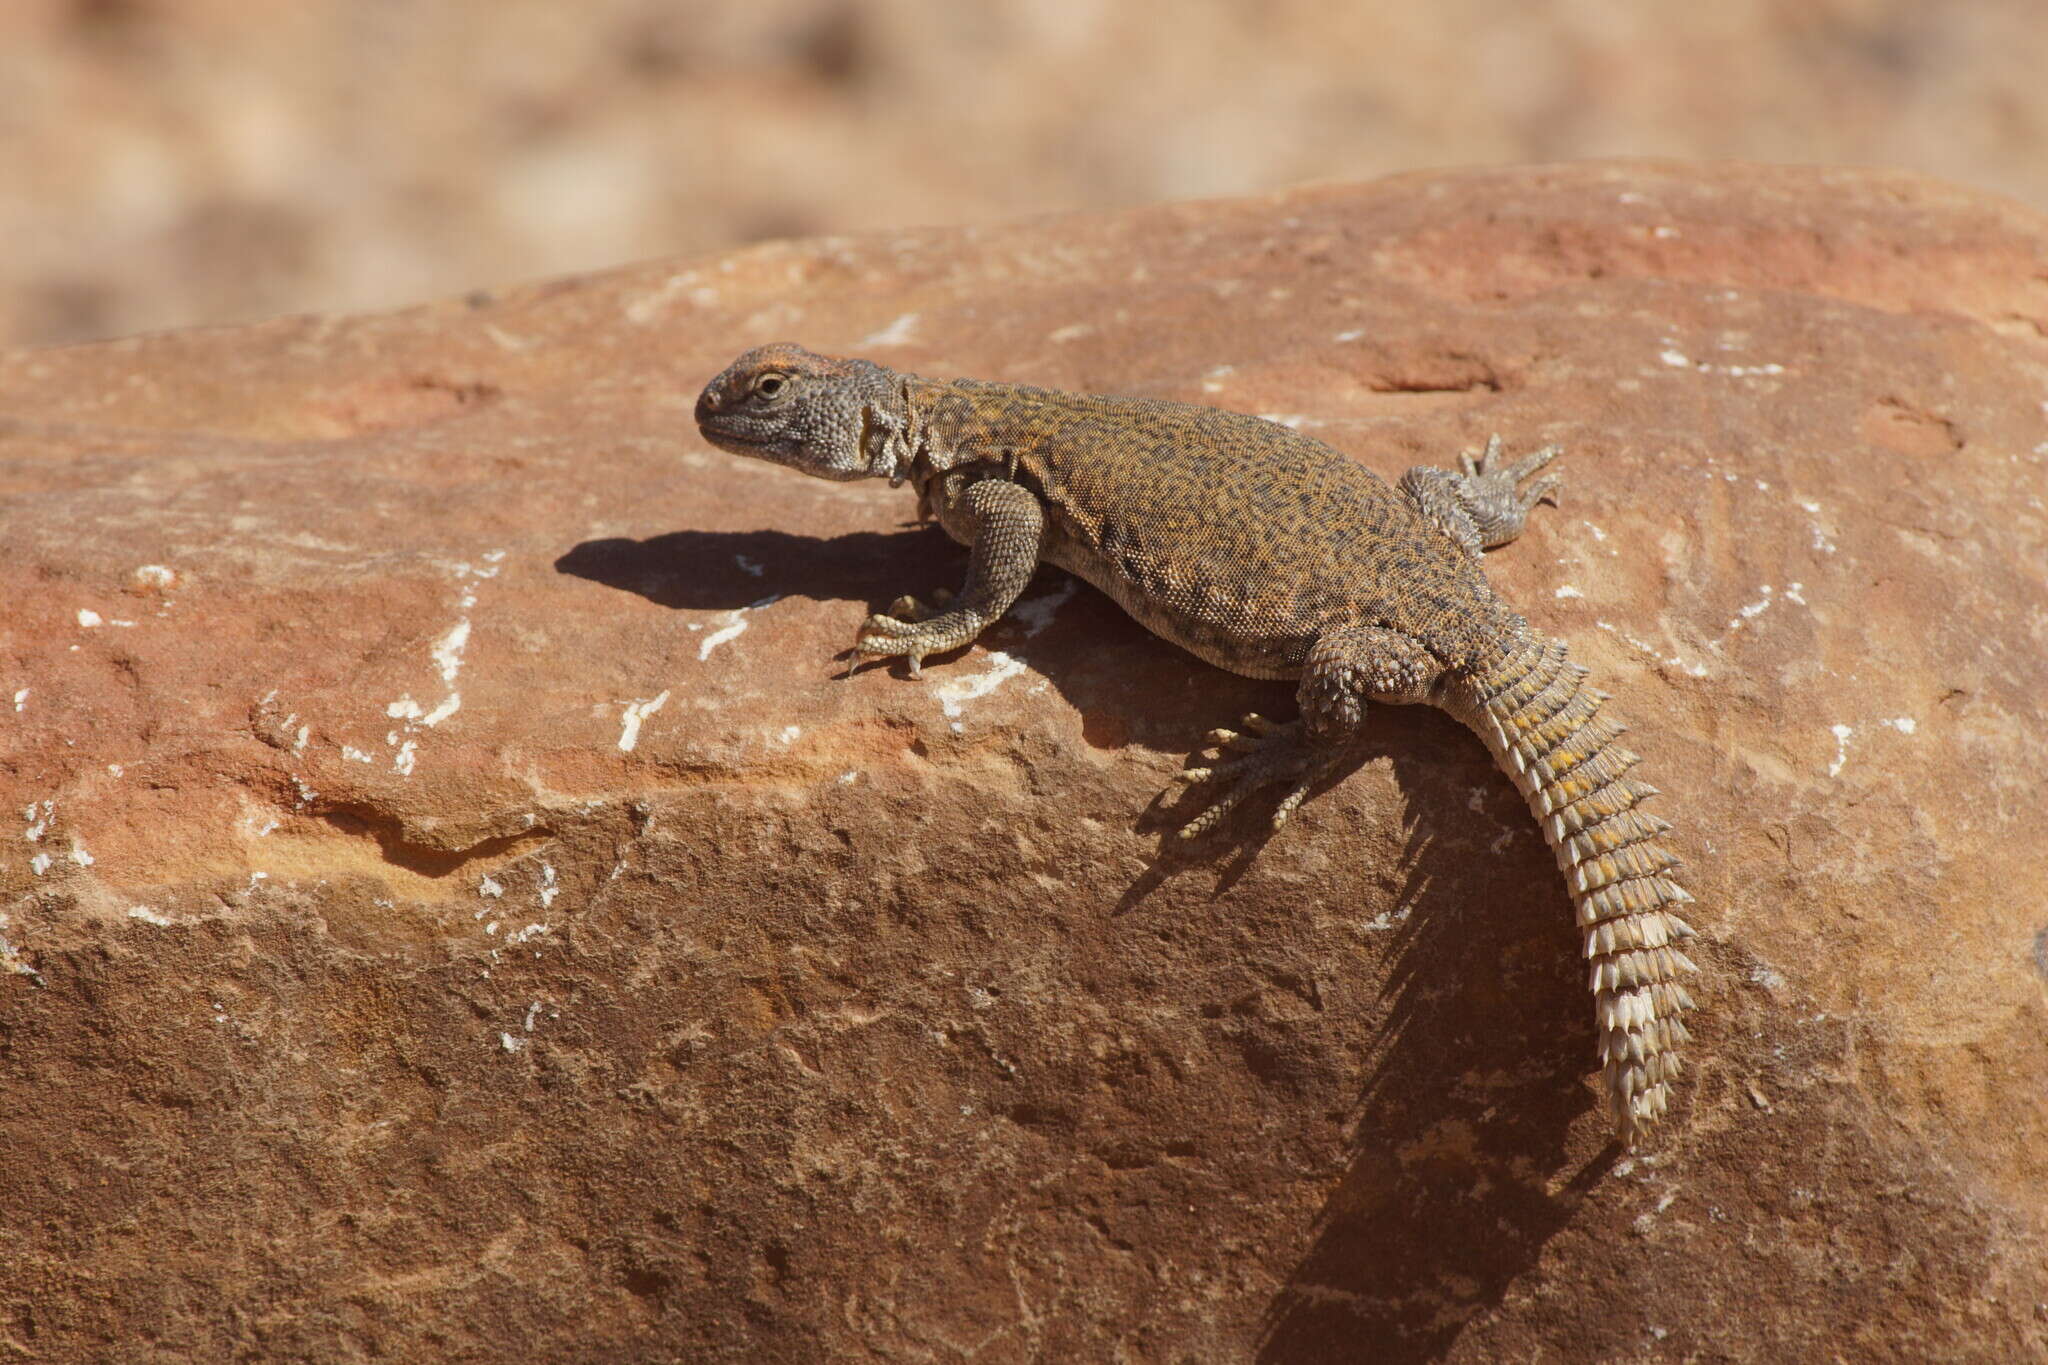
x,y
1542,722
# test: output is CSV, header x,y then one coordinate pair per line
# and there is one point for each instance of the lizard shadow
x,y
1457,1173
1459,1170
694,570
721,570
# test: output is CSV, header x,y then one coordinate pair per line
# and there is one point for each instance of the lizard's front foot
x,y
1494,495
1271,753
913,629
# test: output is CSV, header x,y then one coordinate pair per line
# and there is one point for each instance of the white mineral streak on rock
x,y
448,650
735,623
954,692
635,714
1841,734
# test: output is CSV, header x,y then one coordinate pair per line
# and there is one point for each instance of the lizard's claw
x,y
1274,754
884,635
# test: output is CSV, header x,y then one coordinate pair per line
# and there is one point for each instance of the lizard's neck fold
x,y
892,440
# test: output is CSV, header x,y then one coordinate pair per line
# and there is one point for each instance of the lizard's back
x,y
1238,539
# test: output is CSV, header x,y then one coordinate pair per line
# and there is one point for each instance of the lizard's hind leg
x,y
1346,669
1486,504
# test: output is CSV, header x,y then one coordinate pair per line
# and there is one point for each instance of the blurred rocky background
x,y
167,162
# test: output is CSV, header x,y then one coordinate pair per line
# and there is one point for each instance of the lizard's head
x,y
821,415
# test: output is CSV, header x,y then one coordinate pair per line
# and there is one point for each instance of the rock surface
x,y
458,909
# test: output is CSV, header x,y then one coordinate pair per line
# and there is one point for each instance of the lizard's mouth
x,y
738,443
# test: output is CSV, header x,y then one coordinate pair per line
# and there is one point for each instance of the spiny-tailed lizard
x,y
1270,554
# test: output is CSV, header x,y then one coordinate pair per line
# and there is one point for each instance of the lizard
x,y
1266,552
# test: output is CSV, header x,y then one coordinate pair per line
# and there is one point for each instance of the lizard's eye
x,y
770,386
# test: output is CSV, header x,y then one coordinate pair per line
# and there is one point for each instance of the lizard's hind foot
x,y
1494,494
1270,754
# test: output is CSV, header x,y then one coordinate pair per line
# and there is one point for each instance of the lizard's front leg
x,y
1346,669
1009,526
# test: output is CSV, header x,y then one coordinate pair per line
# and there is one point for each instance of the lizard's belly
x,y
1208,620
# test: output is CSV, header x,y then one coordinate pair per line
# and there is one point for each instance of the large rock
x,y
458,907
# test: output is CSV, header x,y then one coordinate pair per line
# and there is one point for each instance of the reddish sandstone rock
x,y
458,907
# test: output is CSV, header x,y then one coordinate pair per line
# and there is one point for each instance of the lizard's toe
x,y
1232,742
1487,476
1212,814
882,627
1295,796
1481,467
884,636
910,609
1543,490
1530,463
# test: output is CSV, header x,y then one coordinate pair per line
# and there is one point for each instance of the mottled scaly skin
x,y
1272,555
1247,585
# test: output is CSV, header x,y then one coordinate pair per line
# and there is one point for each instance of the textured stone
x,y
468,913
